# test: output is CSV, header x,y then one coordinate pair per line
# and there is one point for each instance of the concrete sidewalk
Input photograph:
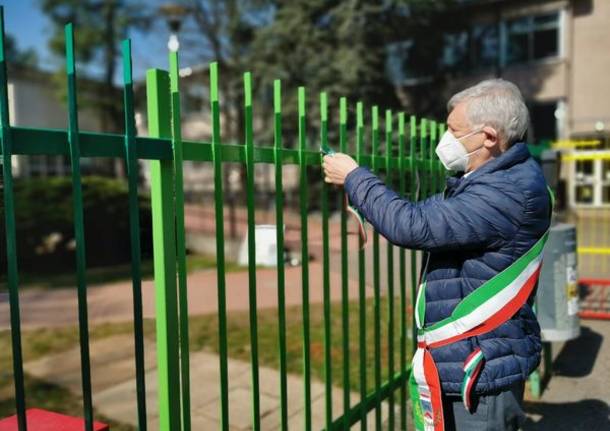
x,y
114,389
113,302
577,397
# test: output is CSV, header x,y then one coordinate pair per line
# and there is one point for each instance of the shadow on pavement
x,y
585,415
578,356
576,360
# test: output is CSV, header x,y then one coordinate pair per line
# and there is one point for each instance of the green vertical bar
x,y
279,217
430,156
423,139
403,280
164,249
390,265
414,194
79,235
220,248
361,278
424,176
376,283
304,203
131,165
326,270
174,76
344,271
249,138
439,165
11,237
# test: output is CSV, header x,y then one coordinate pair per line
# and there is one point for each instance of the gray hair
x,y
497,103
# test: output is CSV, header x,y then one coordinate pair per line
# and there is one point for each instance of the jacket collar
x,y
517,153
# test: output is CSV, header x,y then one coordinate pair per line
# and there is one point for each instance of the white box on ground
x,y
265,236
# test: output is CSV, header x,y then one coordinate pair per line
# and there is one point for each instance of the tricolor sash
x,y
481,311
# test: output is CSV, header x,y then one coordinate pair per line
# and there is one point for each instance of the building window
x,y
546,36
455,49
584,185
479,45
543,121
518,40
485,43
591,179
605,170
407,60
605,179
397,55
532,38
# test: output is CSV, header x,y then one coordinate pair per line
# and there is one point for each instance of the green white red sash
x,y
483,310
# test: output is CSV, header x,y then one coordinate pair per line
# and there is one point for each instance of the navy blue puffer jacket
x,y
481,225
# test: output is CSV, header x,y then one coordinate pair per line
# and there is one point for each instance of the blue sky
x,y
31,29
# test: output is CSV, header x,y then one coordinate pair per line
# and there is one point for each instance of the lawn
x,y
204,336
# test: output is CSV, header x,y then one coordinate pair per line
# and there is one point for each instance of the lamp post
x,y
174,14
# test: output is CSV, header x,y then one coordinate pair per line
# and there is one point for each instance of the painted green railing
x,y
408,163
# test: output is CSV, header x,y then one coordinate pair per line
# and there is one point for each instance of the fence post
x,y
279,217
375,160
183,308
361,280
326,273
344,272
390,273
164,249
12,273
79,227
131,165
403,280
304,204
250,173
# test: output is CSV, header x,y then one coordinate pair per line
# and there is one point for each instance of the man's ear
x,y
491,137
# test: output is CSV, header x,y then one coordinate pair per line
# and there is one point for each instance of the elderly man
x,y
478,337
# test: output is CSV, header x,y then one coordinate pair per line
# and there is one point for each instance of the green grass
x,y
111,274
204,336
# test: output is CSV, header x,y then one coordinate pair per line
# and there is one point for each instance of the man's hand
x,y
336,167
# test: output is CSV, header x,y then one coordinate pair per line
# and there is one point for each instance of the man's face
x,y
485,139
459,126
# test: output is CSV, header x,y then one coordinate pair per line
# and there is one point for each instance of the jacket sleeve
x,y
475,218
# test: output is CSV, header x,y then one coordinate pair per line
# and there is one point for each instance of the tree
x,y
101,25
223,31
19,57
341,47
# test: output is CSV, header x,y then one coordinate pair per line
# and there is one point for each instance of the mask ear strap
x,y
476,130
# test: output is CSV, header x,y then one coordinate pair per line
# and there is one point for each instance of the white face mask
x,y
452,152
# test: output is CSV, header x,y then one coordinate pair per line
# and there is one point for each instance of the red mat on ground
x,y
594,298
43,420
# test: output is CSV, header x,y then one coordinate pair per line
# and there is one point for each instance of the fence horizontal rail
x,y
54,142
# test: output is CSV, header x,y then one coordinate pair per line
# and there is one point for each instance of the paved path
x,y
576,399
578,395
113,302
114,391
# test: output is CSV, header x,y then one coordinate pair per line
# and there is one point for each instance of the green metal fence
x,y
408,163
